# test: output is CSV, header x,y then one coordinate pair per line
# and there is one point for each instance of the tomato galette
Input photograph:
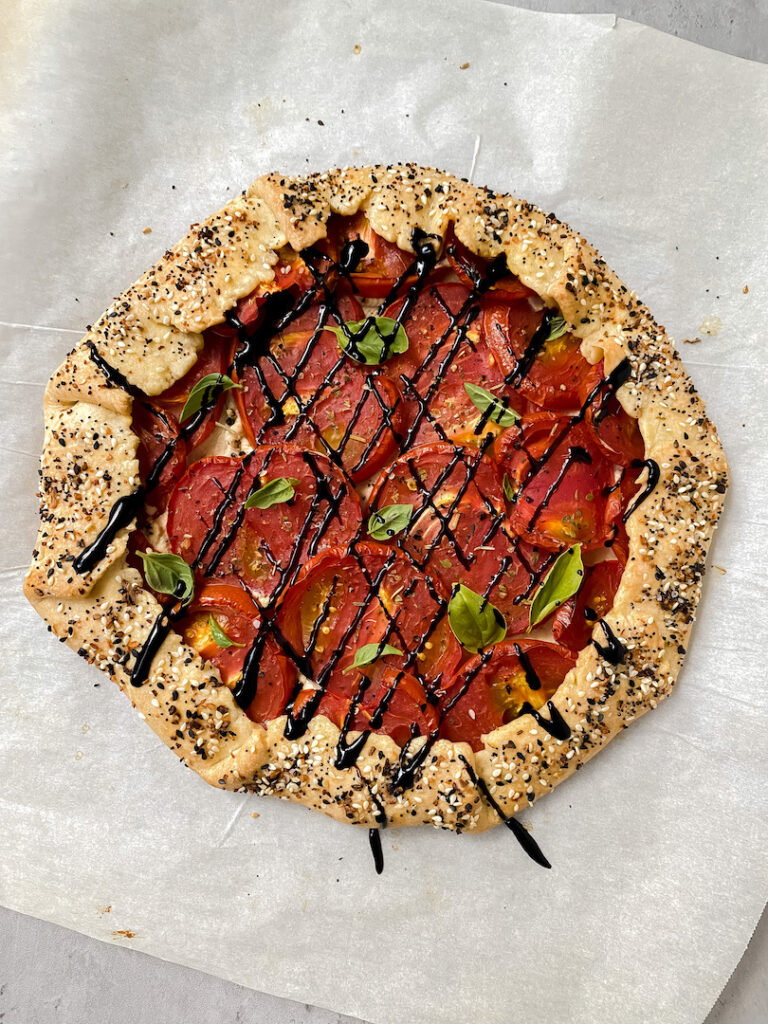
x,y
381,493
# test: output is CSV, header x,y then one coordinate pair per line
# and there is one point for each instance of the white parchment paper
x,y
125,116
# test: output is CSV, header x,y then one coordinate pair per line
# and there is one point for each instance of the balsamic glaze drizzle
x,y
556,725
253,348
523,837
614,651
648,488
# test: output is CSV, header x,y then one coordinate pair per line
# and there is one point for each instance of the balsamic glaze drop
x,y
374,838
614,651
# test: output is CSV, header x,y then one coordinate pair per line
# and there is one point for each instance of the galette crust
x,y
152,333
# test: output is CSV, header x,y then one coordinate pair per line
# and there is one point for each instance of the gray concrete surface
x,y
49,975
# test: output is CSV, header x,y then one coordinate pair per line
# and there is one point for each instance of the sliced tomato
x,y
377,272
359,421
489,692
343,601
482,553
305,351
435,369
333,706
574,620
615,431
215,357
257,545
156,428
233,611
470,269
557,375
331,405
429,324
620,497
290,272
396,705
561,480
433,479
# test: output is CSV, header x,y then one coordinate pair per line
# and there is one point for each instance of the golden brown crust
x,y
152,334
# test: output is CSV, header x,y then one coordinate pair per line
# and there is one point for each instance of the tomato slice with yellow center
x,y
344,602
221,624
557,374
490,691
558,481
446,351
308,392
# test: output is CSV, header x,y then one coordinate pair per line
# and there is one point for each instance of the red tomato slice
x,y
215,357
489,694
334,405
257,544
574,620
470,268
236,614
428,325
333,706
403,714
434,478
435,369
562,500
156,428
397,706
615,431
378,271
559,370
621,495
290,272
343,601
485,556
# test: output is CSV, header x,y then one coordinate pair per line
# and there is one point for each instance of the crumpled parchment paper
x,y
130,116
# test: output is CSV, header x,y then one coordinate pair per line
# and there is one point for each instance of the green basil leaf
x,y
168,574
368,653
509,491
485,401
561,582
371,341
220,638
205,391
475,622
557,328
273,493
389,521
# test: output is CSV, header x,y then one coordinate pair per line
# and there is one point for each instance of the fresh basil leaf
x,y
371,341
389,521
561,582
168,574
368,653
487,402
220,638
475,622
509,491
205,391
276,491
557,328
